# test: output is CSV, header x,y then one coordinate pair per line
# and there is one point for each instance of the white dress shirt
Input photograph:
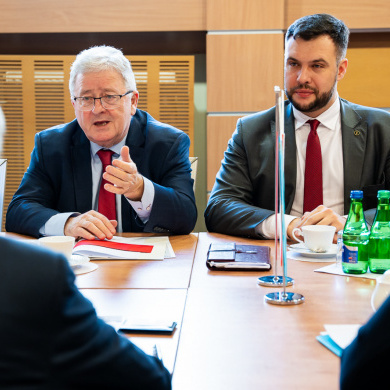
x,y
55,225
329,133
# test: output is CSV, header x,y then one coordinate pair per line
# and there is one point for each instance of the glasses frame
x,y
99,98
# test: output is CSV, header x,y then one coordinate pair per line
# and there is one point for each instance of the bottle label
x,y
350,254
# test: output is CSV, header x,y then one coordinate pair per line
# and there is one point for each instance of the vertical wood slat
x,y
34,95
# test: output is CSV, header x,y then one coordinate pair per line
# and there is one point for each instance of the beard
x,y
320,101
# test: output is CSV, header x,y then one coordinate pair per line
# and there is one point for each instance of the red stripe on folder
x,y
117,245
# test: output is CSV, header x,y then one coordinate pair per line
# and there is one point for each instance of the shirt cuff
x,y
267,227
143,208
56,224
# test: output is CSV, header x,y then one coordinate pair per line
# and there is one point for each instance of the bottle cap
x,y
384,194
357,194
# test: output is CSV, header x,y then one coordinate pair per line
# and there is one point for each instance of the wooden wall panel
x,y
102,16
245,14
367,80
356,14
242,70
219,131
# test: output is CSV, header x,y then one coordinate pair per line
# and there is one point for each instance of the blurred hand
x,y
321,215
124,176
90,225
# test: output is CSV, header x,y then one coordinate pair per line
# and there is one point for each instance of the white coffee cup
x,y
60,244
317,238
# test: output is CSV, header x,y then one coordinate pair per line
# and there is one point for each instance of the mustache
x,y
304,86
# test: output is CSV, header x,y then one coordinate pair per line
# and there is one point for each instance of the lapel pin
x,y
356,132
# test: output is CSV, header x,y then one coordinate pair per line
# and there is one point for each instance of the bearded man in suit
x,y
352,145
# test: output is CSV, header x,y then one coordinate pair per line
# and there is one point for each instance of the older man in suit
x,y
50,336
332,146
63,191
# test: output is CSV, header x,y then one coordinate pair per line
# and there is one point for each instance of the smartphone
x,y
150,328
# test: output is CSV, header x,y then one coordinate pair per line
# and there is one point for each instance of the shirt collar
x,y
116,148
328,118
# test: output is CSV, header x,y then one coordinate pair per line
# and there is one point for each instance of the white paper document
x,y
336,270
162,248
337,337
342,335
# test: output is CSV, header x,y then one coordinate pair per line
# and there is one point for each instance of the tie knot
x,y
105,156
314,123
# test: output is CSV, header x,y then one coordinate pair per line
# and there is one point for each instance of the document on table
x,y
337,337
336,270
126,248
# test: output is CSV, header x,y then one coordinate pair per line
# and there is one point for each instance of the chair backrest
x,y
3,171
194,167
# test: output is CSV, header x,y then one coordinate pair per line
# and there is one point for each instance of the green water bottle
x,y
379,244
355,238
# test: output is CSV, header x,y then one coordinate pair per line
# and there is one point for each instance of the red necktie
x,y
313,195
106,205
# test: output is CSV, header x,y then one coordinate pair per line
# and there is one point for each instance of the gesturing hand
x,y
124,176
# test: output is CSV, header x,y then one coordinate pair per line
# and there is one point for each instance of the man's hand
x,y
124,176
321,215
90,225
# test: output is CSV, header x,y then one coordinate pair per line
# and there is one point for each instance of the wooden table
x,y
232,339
229,338
170,273
144,304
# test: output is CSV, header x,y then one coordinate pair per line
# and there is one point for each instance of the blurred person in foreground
x,y
364,363
50,335
146,184
332,146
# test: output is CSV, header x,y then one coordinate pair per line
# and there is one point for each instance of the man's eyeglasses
x,y
87,103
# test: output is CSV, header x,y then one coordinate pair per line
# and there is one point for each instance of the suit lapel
x,y
136,139
82,174
354,134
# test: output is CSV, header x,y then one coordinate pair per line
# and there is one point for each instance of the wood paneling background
x,y
244,50
245,15
242,70
48,16
356,14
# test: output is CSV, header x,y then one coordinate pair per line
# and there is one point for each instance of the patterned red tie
x,y
313,195
106,205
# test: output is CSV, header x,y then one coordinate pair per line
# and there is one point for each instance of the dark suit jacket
x,y
50,336
59,178
243,193
364,363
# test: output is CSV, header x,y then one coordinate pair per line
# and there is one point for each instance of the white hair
x,y
100,58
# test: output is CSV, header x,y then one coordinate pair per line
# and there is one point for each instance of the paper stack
x,y
125,248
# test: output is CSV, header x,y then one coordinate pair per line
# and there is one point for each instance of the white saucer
x,y
78,260
303,251
84,268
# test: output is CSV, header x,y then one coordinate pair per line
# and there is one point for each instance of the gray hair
x,y
2,129
100,58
